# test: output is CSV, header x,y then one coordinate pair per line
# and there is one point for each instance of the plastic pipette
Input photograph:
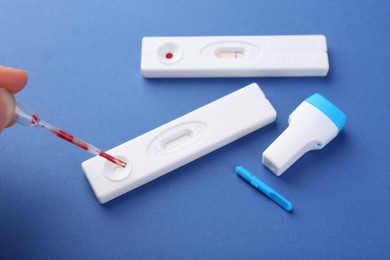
x,y
27,117
264,188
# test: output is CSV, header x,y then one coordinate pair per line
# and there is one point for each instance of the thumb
x,y
7,108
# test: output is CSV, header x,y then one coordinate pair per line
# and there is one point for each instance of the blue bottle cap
x,y
325,106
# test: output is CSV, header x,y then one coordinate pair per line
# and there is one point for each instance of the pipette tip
x,y
113,159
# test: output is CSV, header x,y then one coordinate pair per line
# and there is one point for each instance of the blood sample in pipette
x,y
27,117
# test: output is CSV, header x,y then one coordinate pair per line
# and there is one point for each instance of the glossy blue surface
x,y
83,60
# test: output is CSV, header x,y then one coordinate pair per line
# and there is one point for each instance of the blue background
x,y
83,60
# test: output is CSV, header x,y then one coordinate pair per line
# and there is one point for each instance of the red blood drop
x,y
70,138
35,119
82,145
64,135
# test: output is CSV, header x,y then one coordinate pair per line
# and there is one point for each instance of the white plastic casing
x,y
179,142
234,56
308,129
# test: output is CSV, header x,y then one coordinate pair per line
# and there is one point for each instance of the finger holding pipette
x,y
11,81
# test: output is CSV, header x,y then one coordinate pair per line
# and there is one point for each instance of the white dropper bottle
x,y
312,125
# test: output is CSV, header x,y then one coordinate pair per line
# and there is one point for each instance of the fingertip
x,y
7,108
12,79
10,124
22,78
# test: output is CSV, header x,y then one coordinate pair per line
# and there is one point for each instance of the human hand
x,y
11,81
